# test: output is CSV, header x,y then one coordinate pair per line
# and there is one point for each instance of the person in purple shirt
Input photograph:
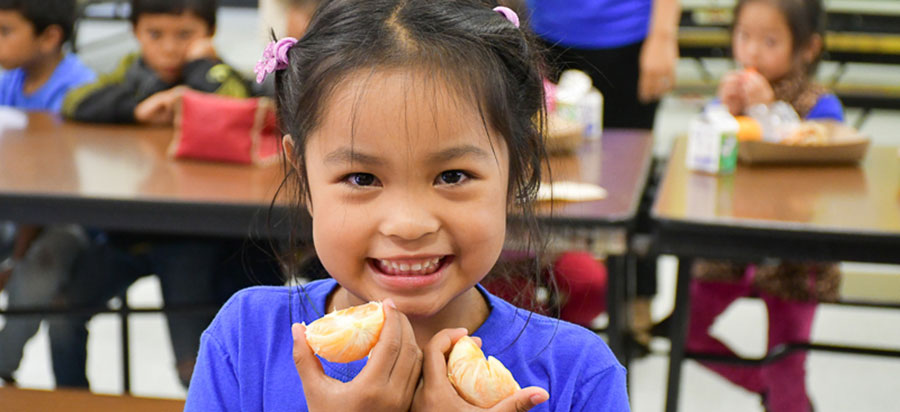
x,y
39,73
412,129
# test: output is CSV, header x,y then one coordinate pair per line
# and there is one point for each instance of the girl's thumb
x,y
524,400
308,366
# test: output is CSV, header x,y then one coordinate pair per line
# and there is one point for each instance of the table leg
x,y
678,331
617,269
126,355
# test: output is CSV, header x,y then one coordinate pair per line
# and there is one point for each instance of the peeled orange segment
x,y
346,335
480,382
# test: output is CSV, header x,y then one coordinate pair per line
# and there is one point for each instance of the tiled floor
x,y
836,382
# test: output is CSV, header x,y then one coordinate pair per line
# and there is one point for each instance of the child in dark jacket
x,y
175,39
176,52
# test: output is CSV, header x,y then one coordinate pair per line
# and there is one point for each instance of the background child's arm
x,y
731,92
757,89
659,54
159,109
107,100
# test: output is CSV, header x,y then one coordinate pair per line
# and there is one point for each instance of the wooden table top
x,y
27,400
619,163
119,177
120,162
859,200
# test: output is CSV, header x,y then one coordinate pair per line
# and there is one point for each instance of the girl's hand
x,y
659,54
731,92
436,393
757,89
386,383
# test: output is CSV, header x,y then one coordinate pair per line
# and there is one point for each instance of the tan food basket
x,y
845,145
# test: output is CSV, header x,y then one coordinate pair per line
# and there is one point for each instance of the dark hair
x,y
805,19
45,13
305,3
204,9
475,50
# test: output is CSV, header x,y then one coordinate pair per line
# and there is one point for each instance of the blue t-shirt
x,y
827,107
591,24
246,363
70,73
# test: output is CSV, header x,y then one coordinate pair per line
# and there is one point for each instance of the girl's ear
x,y
287,142
813,49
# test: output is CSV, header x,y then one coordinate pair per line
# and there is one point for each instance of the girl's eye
x,y
451,177
771,42
361,179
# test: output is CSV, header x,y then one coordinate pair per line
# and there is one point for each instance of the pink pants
x,y
783,382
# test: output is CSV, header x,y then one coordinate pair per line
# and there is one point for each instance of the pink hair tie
x,y
275,57
509,14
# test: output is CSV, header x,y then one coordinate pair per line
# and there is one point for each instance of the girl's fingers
x,y
435,363
523,400
409,361
390,343
308,366
477,340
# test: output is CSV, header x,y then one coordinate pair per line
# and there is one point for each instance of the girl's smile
x,y
409,274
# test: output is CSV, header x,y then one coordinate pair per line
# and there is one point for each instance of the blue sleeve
x,y
828,107
214,385
5,89
604,392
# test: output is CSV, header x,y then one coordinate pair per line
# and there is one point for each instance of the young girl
x,y
781,41
410,127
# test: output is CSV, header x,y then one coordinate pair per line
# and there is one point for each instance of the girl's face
x,y
407,191
762,40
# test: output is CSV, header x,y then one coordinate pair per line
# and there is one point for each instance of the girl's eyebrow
x,y
347,155
457,152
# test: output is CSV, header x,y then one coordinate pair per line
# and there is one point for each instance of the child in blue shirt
x,y
39,73
413,128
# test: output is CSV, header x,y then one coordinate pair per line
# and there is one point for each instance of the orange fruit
x,y
748,129
346,335
481,382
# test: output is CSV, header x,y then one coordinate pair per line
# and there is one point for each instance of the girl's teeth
x,y
410,269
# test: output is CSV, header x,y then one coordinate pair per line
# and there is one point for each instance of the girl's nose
x,y
408,220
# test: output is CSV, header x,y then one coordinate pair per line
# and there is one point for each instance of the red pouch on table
x,y
226,129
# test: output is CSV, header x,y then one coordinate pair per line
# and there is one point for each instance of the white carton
x,y
712,142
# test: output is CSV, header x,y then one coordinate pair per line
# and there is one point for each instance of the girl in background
x,y
412,136
778,43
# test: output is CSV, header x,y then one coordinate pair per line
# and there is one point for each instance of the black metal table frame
x,y
688,240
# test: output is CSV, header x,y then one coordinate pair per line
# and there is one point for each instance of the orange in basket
x,y
346,335
481,382
748,129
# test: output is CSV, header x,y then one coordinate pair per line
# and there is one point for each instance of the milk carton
x,y
579,102
712,141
